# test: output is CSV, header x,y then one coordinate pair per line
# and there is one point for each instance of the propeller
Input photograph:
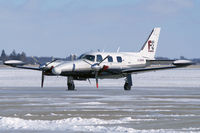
x,y
50,62
97,68
42,80
98,72
89,81
36,61
96,77
44,69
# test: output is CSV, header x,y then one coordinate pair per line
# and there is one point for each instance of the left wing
x,y
19,64
30,68
175,64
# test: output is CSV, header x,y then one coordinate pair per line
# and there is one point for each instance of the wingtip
x,y
14,63
183,62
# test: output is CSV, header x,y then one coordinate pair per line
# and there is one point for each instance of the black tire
x,y
127,87
71,87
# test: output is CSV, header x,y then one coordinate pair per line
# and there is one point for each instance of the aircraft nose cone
x,y
56,71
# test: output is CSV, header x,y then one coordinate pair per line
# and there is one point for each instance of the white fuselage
x,y
116,61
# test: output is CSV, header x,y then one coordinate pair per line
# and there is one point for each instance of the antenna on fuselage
x,y
72,57
118,49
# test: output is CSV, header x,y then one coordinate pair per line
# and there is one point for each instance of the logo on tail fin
x,y
150,46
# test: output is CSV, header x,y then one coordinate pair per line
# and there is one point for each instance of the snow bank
x,y
77,124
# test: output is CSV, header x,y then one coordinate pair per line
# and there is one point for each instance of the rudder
x,y
149,48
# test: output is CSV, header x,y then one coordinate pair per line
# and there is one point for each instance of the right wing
x,y
140,70
175,64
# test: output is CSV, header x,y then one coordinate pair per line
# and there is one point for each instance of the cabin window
x,y
110,59
99,58
88,57
119,59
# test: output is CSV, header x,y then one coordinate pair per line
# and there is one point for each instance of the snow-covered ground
x,y
160,102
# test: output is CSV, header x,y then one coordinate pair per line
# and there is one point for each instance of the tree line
x,y
13,56
29,60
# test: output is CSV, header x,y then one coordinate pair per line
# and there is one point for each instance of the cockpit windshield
x,y
88,57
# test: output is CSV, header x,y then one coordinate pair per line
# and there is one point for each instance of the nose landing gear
x,y
128,83
70,84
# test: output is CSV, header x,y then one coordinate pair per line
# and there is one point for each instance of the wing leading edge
x,y
30,68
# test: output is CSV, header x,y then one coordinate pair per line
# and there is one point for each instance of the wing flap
x,y
160,62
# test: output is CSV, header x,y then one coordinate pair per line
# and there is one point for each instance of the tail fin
x,y
149,48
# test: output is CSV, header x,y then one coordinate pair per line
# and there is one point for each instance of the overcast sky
x,y
61,27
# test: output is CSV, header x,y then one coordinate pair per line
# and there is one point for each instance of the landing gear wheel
x,y
128,83
127,87
70,84
71,87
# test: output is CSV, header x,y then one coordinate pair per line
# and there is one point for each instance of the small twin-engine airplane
x,y
104,65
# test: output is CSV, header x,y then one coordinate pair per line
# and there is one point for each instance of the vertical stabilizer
x,y
149,48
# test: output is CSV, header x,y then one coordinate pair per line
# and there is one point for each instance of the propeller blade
x,y
103,59
87,62
96,77
50,62
89,81
97,84
36,60
42,81
97,69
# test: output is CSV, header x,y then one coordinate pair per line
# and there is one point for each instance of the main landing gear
x,y
128,83
70,84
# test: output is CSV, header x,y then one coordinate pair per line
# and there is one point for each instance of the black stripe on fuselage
x,y
91,74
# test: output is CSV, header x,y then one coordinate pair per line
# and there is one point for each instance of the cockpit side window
x,y
88,57
110,59
99,58
119,59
